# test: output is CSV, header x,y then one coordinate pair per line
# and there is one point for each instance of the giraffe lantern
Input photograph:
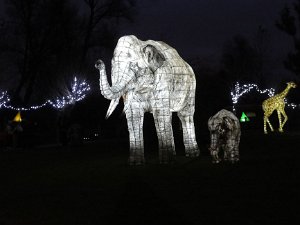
x,y
277,103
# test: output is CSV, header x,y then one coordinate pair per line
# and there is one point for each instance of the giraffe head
x,y
291,84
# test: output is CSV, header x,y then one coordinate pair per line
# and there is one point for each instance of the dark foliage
x,y
44,41
245,61
289,23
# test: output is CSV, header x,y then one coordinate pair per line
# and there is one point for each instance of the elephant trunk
x,y
213,140
214,135
108,92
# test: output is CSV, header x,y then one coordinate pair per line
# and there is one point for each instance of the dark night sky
x,y
199,28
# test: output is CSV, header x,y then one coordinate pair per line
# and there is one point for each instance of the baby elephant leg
x,y
214,152
231,151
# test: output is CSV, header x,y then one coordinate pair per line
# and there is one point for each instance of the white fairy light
x,y
4,99
78,92
292,105
239,91
26,108
246,88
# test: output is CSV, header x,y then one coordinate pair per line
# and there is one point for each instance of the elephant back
x,y
223,113
182,83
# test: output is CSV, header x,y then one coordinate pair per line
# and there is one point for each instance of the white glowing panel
x,y
225,132
151,77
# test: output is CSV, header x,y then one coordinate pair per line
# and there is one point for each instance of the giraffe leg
x,y
280,121
270,125
265,124
266,121
285,118
284,121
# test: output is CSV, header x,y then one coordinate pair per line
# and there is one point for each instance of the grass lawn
x,y
94,185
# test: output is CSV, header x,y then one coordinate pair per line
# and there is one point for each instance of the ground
x,y
93,184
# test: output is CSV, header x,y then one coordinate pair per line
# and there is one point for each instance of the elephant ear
x,y
209,123
229,123
153,57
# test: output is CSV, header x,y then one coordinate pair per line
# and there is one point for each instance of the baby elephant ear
x,y
209,123
153,57
229,123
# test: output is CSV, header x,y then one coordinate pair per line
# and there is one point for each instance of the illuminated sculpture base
x,y
225,132
276,102
150,76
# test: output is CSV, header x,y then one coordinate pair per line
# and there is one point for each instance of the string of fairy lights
x,y
240,90
4,99
77,92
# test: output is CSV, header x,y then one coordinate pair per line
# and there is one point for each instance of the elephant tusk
x,y
112,106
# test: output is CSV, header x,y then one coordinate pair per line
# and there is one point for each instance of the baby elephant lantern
x,y
225,132
151,77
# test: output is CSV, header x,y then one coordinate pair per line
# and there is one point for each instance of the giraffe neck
x,y
285,92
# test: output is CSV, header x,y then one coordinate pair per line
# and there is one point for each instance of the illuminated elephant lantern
x,y
225,132
151,77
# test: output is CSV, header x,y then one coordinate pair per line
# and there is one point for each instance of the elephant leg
x,y
234,154
215,145
189,137
135,121
163,124
228,151
231,150
237,148
214,152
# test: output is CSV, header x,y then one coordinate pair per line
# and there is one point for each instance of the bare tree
x,y
101,15
47,39
239,60
38,34
288,23
261,45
